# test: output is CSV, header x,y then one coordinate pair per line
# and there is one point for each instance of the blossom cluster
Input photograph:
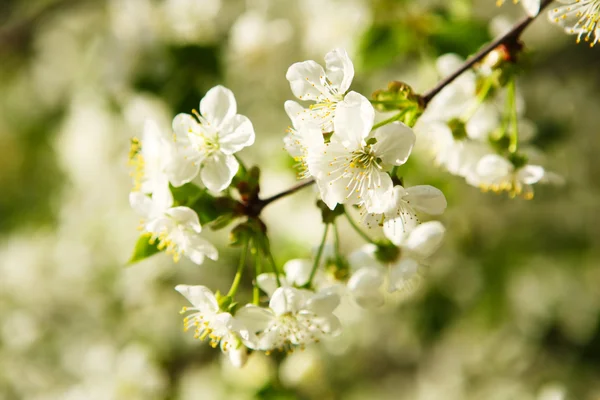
x,y
354,162
473,127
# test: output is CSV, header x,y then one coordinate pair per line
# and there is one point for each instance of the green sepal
x,y
143,249
499,140
328,214
224,301
387,252
458,128
232,308
518,160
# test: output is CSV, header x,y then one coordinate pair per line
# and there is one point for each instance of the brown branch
x,y
292,190
510,37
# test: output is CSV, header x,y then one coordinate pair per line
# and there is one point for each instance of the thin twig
x,y
510,36
292,190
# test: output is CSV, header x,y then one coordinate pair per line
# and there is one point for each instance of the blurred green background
x,y
509,309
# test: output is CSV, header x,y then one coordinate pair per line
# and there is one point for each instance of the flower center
x,y
166,242
364,158
202,324
294,330
510,185
358,168
206,139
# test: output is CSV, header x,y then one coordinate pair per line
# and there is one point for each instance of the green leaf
x,y
187,194
461,36
197,199
143,249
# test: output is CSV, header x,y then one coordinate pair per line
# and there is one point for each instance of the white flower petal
x,y
285,299
305,80
182,170
298,271
379,193
532,7
530,174
307,138
235,134
353,120
397,229
238,356
394,143
185,216
402,272
448,63
424,239
295,112
364,257
183,125
483,122
142,204
267,282
218,171
253,318
162,225
427,199
323,303
201,297
197,248
492,168
218,106
153,140
340,70
365,286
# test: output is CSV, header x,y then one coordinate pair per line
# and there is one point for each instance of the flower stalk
x,y
240,271
318,256
357,228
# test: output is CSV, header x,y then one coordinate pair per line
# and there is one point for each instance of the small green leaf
x,y
143,249
187,194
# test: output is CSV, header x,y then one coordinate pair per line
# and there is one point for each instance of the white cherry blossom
x,y
303,135
209,322
455,125
406,202
352,168
294,318
151,158
578,17
177,229
498,174
368,281
207,143
325,87
457,155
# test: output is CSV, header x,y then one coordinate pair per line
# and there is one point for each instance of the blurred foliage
x,y
509,310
